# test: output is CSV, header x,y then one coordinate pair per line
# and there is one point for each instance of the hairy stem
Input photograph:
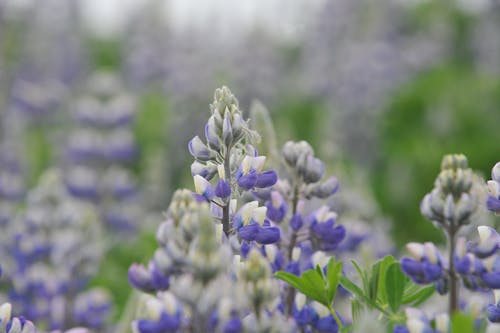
x,y
226,227
290,297
453,296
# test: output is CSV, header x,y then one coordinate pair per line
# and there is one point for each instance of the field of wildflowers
x,y
325,168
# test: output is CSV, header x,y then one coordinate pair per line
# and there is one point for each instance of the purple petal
x,y
266,179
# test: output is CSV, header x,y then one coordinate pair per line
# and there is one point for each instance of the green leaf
x,y
374,281
357,291
463,323
310,283
419,296
317,291
385,263
333,273
320,271
362,275
356,309
394,286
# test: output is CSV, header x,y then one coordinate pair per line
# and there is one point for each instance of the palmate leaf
x,y
314,284
310,283
357,291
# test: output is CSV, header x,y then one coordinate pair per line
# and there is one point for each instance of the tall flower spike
x,y
450,206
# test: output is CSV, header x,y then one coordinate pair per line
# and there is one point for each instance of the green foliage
x,y
463,323
150,126
314,284
115,266
451,109
301,119
105,53
385,289
38,153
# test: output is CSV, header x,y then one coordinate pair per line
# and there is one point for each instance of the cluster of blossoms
x,y
205,229
100,151
54,249
450,206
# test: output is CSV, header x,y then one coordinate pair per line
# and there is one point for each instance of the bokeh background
x,y
381,89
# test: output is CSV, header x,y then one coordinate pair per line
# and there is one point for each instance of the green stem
x,y
290,297
453,296
336,317
226,227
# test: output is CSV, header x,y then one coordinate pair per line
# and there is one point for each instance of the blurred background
x,y
110,92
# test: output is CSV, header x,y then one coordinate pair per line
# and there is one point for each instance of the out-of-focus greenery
x,y
451,109
114,268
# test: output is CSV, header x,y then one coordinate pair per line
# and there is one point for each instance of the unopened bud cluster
x,y
453,199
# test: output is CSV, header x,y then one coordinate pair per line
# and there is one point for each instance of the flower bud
x,y
227,131
495,172
489,242
199,150
454,161
211,134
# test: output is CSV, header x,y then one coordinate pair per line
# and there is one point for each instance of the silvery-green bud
x,y
199,150
454,162
207,170
211,134
449,208
437,206
453,199
238,125
464,208
293,150
227,131
495,172
310,168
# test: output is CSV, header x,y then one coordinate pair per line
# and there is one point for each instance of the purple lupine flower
x,y
203,187
400,329
139,277
488,271
92,308
463,261
493,202
9,324
296,222
250,174
166,323
248,181
222,189
266,179
425,266
303,313
233,325
324,229
276,207
164,315
199,150
489,242
324,321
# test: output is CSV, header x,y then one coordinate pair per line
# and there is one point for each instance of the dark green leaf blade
x,y
394,286
334,270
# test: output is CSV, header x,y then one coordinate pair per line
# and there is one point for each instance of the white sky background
x,y
284,17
